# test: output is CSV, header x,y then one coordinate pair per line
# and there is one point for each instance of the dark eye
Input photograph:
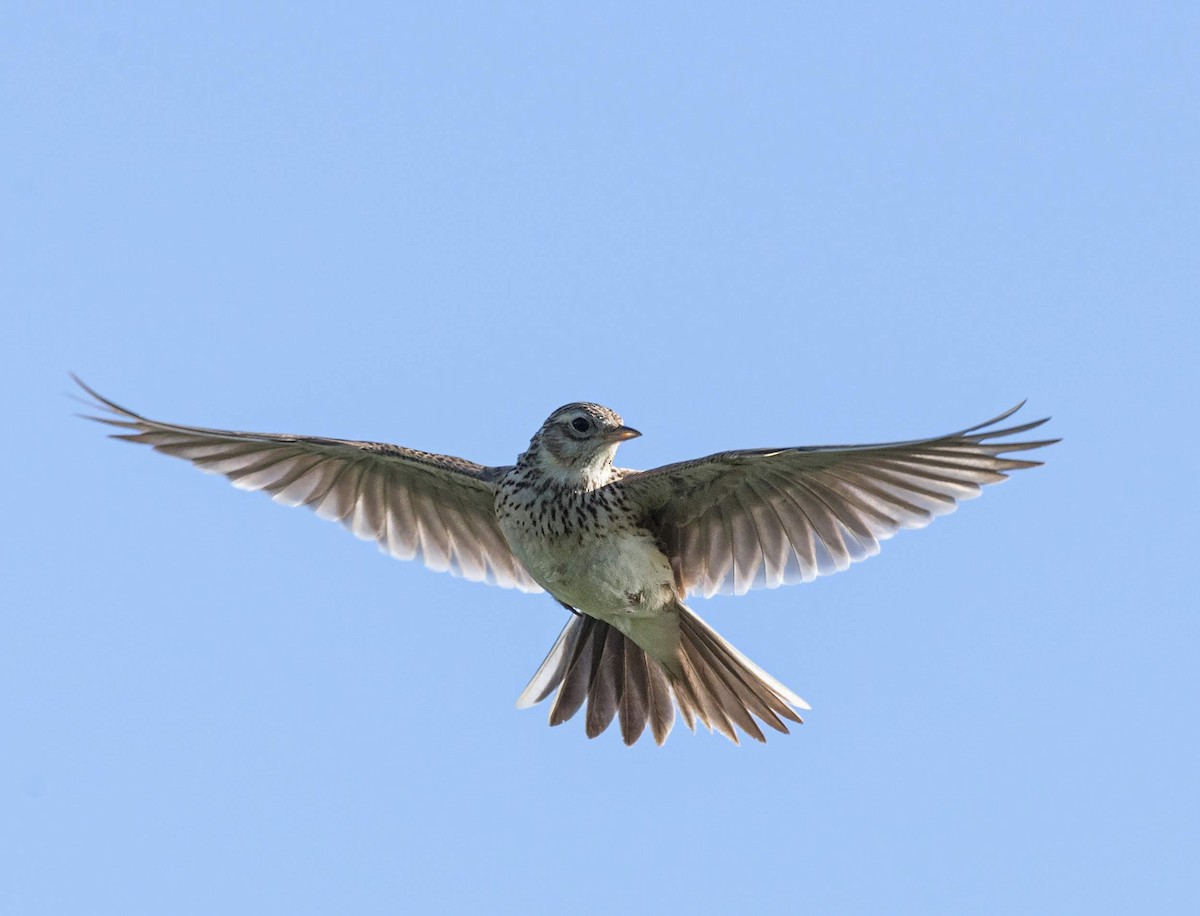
x,y
581,424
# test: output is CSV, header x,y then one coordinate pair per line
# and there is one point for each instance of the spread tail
x,y
709,679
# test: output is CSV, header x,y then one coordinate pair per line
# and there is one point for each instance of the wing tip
x,y
99,400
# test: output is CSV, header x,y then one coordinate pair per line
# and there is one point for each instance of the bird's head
x,y
577,442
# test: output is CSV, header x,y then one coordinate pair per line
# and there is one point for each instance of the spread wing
x,y
416,505
766,517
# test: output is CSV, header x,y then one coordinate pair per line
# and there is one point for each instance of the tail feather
x,y
659,707
761,693
709,680
762,704
724,707
608,681
635,697
687,699
580,670
550,673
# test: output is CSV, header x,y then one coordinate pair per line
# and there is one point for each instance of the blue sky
x,y
737,227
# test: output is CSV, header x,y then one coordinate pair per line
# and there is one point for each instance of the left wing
x,y
436,508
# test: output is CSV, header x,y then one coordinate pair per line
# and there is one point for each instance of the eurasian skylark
x,y
619,548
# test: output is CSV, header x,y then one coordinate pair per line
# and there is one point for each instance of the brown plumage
x,y
622,548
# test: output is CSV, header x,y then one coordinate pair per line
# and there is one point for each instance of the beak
x,y
621,433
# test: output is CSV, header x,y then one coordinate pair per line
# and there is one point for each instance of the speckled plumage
x,y
622,549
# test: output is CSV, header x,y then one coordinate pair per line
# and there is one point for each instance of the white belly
x,y
612,578
613,573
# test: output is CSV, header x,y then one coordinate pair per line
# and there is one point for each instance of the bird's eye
x,y
581,424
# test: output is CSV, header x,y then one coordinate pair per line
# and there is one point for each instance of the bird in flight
x,y
621,549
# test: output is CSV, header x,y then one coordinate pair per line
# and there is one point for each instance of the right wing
x,y
761,518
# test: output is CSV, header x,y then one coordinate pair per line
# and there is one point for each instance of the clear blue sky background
x,y
786,224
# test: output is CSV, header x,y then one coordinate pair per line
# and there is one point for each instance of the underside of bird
x,y
709,680
728,522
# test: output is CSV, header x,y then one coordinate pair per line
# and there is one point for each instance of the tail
x,y
708,678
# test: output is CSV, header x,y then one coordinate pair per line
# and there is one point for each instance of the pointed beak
x,y
621,433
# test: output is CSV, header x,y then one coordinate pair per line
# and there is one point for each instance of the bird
x,y
620,549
